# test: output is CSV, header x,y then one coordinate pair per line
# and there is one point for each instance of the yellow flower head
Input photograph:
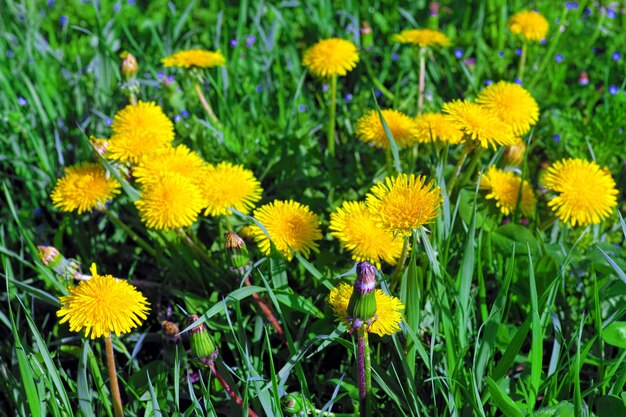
x,y
139,129
503,188
512,104
227,186
388,309
103,305
370,130
436,126
422,37
404,203
530,24
179,160
195,58
356,229
171,201
478,124
514,154
84,187
289,224
330,57
586,192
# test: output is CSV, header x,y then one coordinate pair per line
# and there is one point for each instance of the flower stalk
x,y
331,117
522,61
228,389
364,370
422,76
115,388
205,103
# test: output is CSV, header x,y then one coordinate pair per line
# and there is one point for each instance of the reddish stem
x,y
229,390
267,312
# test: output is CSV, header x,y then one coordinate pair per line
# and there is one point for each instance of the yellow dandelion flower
x,y
514,154
179,160
388,309
84,187
172,201
356,229
503,188
404,203
586,192
436,126
422,37
227,186
330,57
530,24
478,124
512,104
199,58
289,224
103,305
139,129
369,128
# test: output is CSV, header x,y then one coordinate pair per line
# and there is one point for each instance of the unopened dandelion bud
x,y
53,259
236,247
128,66
367,35
296,404
202,344
170,330
362,304
514,154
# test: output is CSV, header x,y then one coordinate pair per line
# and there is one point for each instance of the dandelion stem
x,y
467,149
379,85
364,369
331,116
131,233
420,94
395,276
469,171
267,311
205,103
115,388
522,61
229,390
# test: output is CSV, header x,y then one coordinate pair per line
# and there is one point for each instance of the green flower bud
x,y
362,304
202,345
296,405
367,35
128,66
239,256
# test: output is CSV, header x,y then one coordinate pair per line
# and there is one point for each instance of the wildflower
x,y
514,154
171,201
558,58
613,89
84,187
227,186
198,58
422,37
478,124
290,225
22,101
362,304
179,160
330,57
503,187
139,129
512,104
586,192
458,53
404,203
103,305
583,78
616,56
203,347
556,137
530,24
369,128
356,229
436,126
128,66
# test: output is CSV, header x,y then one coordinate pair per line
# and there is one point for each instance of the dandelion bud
x,y
362,304
53,259
202,344
236,247
367,35
171,330
129,66
99,145
514,154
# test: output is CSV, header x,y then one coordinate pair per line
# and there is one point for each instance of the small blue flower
x,y
558,58
170,79
518,51
613,89
518,81
116,8
63,20
572,5
184,113
233,43
160,75
325,88
610,13
458,53
394,57
259,88
10,54
38,211
556,137
543,41
50,3
587,11
557,20
378,93
22,101
348,97
250,40
177,118
301,108
500,54
132,2
488,82
616,56
108,121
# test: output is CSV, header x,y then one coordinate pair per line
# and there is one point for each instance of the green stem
x,y
193,245
384,90
364,367
131,233
331,117
522,60
422,75
395,276
115,388
205,103
467,149
469,171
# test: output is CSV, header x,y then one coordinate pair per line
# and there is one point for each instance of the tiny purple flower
x,y
572,5
177,118
10,54
233,43
63,20
160,75
616,56
378,93
458,53
613,89
518,51
301,108
587,11
170,79
259,88
132,2
108,121
50,3
518,81
394,57
610,13
116,8
22,101
558,58
325,88
543,41
488,82
501,54
184,113
556,137
348,97
250,40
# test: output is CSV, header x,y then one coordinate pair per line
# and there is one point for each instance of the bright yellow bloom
x,y
514,154
422,37
195,58
289,224
171,201
503,188
139,129
436,126
370,130
84,187
356,229
330,57
530,24
478,124
179,160
404,203
512,104
587,193
227,186
103,305
388,309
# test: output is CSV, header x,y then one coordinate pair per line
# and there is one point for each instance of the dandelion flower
x,y
503,188
103,305
586,192
388,309
422,37
512,104
330,57
530,24
139,129
369,128
227,186
171,201
199,58
84,187
289,224
404,203
478,124
356,229
180,160
435,126
514,154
